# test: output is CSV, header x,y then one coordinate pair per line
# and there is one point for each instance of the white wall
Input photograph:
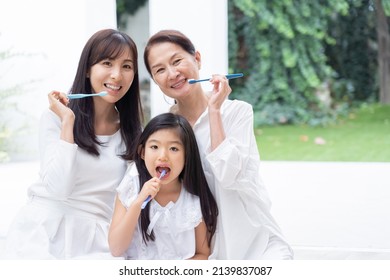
x,y
138,29
205,23
50,34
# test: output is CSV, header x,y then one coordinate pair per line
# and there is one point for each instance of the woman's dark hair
x,y
168,36
192,176
106,44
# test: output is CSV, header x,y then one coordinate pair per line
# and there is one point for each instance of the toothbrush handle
x,y
233,76
146,202
76,96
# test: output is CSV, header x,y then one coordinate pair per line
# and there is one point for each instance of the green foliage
x,y
280,45
386,7
354,56
127,7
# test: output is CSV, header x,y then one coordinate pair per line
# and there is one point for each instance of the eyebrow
x,y
170,142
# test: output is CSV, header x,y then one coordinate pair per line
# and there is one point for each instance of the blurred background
x,y
317,74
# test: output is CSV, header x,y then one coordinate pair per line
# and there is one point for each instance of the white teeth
x,y
178,84
113,87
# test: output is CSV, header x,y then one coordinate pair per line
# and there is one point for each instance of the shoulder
x,y
237,105
189,214
236,110
190,198
190,206
49,115
49,122
174,109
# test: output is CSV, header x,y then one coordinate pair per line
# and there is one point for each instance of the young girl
x,y
228,149
180,220
83,143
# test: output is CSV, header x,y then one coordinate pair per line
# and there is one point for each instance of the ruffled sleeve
x,y
129,187
190,214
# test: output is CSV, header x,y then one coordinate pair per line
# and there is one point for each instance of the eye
x,y
176,62
106,62
159,71
128,66
175,149
154,147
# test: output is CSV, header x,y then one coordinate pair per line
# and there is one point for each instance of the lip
x,y
114,89
179,84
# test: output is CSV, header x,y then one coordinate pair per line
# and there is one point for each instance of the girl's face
x,y
114,76
164,151
171,67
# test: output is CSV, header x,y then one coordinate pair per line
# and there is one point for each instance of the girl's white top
x,y
70,206
173,225
246,228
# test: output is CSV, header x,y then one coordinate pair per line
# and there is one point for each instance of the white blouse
x,y
70,206
173,225
245,228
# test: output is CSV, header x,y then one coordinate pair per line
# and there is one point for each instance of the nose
x,y
172,72
116,73
163,155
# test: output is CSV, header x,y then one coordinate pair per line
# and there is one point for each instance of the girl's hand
x,y
151,187
221,91
58,103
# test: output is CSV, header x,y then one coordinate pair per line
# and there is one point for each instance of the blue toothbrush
x,y
82,95
228,76
149,197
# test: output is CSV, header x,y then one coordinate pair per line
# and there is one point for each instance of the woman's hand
x,y
58,103
221,91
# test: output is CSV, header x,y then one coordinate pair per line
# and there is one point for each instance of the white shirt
x,y
245,225
71,204
173,225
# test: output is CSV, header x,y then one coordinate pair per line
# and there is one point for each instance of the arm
x,y
221,90
125,221
235,163
202,249
57,148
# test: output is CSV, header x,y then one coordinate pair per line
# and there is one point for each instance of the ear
x,y
141,152
198,59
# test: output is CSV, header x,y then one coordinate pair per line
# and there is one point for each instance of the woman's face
x,y
164,150
171,67
114,76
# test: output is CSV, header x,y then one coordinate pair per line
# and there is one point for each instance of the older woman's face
x,y
171,67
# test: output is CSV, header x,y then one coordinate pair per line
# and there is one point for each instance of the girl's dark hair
x,y
168,36
191,177
104,44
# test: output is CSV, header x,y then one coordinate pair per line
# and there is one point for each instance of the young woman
x,y
83,143
180,220
230,158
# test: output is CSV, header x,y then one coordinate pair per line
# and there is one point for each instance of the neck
x,y
169,192
192,106
106,119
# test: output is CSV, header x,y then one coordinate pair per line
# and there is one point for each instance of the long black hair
x,y
192,176
106,43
